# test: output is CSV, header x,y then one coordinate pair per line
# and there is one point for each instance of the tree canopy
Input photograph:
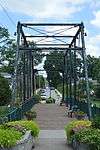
x,y
54,68
5,92
7,51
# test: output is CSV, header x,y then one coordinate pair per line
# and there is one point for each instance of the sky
x,y
55,11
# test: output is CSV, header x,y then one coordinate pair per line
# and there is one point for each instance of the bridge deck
x,y
52,120
51,116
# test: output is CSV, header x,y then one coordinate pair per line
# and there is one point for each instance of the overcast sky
x,y
62,11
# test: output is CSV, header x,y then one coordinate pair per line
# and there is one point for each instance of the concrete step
x,y
52,140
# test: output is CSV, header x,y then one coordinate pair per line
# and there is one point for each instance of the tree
x,y
40,81
7,51
54,68
97,91
94,67
5,92
37,54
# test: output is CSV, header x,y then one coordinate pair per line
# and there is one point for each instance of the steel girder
x,y
70,48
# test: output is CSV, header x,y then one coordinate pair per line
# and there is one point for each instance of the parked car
x,y
43,96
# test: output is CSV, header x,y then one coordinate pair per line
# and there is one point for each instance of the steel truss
x,y
24,67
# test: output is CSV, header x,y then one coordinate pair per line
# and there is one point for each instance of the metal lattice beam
x,y
65,43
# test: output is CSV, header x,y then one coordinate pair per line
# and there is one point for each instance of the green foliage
x,y
80,115
7,51
11,132
97,91
28,125
89,136
74,126
3,33
40,81
37,98
94,67
54,61
60,88
30,115
9,137
3,110
50,100
38,56
5,92
96,102
96,122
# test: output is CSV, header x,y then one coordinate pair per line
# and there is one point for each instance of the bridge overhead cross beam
x,y
68,38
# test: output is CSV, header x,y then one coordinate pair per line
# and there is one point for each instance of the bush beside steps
x,y
84,134
18,135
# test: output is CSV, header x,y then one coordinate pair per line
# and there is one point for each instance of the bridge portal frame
x,y
23,85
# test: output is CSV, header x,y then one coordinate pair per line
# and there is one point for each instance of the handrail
x,y
18,113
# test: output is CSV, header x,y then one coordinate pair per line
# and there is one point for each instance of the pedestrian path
x,y
52,120
51,116
52,140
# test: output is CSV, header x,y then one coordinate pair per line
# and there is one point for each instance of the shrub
x,y
50,100
30,115
89,136
75,126
97,91
9,137
96,122
4,110
37,98
80,115
5,92
28,125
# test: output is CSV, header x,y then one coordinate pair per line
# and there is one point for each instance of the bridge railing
x,y
18,113
83,106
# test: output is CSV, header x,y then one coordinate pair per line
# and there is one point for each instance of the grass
x,y
60,89
97,103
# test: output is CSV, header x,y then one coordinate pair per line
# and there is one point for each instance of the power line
x,y
5,11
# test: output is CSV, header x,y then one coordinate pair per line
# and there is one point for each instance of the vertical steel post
x,y
66,78
27,80
24,81
75,72
70,77
20,84
86,72
30,69
14,87
32,76
63,95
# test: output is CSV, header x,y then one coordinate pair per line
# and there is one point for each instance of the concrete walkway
x,y
52,120
51,116
52,140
